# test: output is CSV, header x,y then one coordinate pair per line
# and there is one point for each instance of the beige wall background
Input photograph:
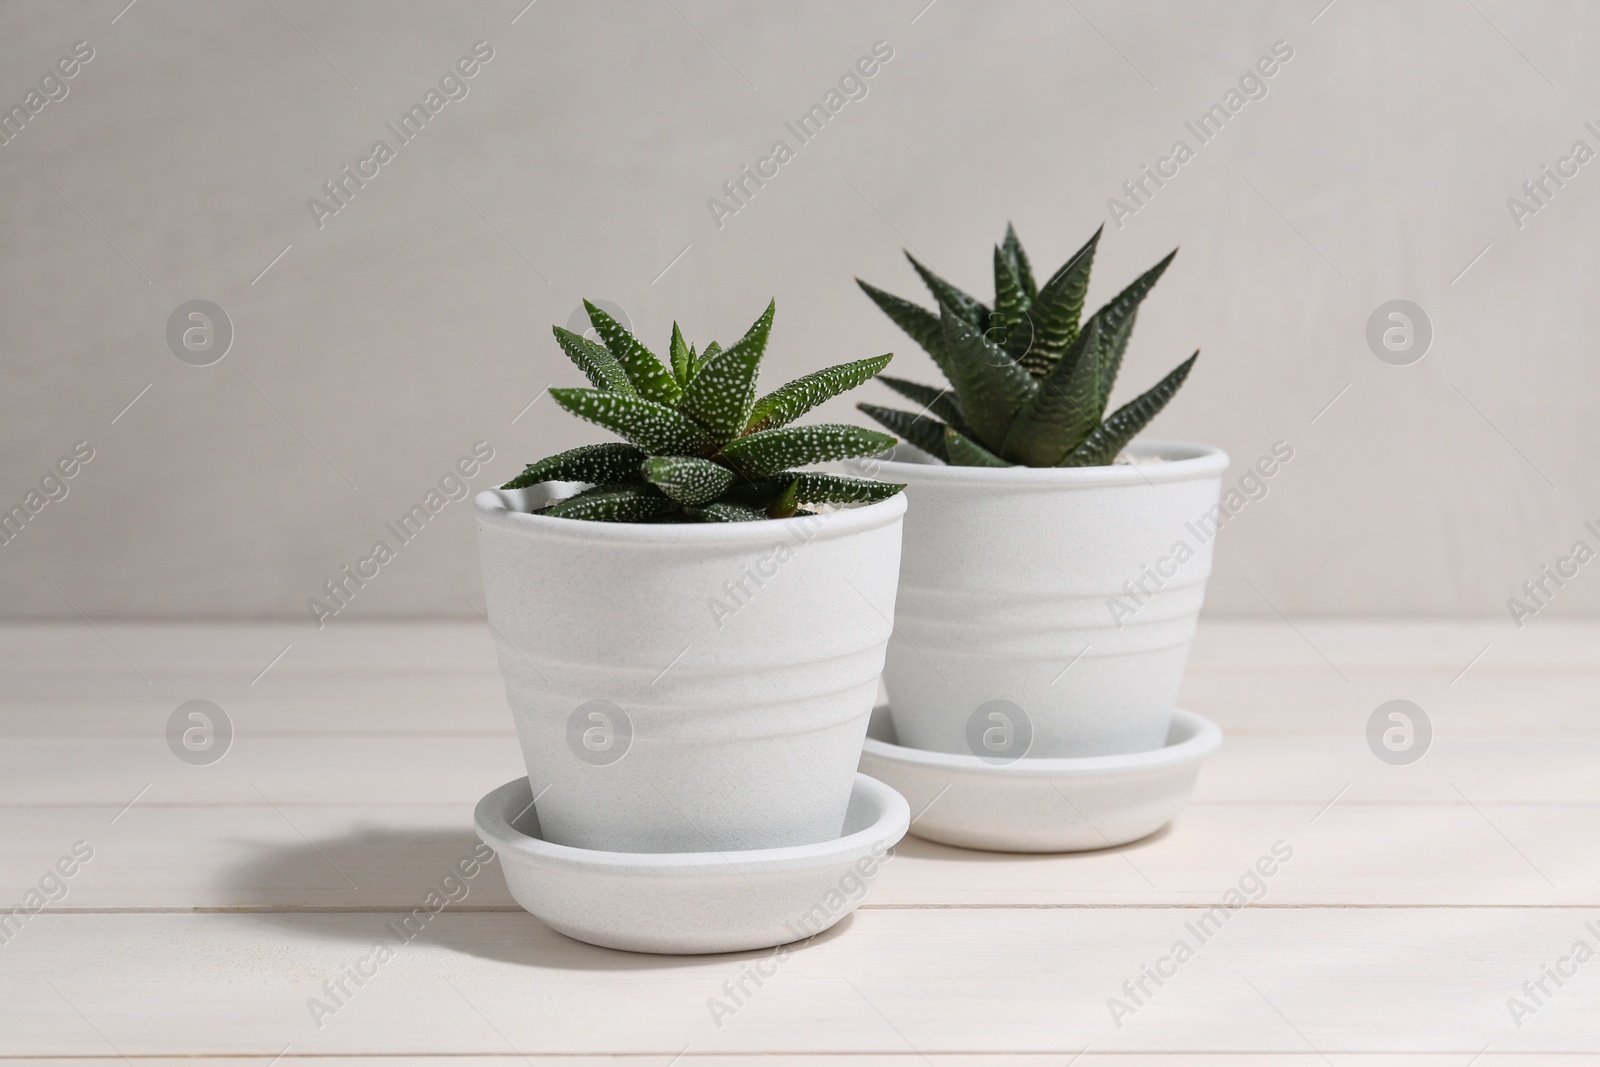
x,y
372,352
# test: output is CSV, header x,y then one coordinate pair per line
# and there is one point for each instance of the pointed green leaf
x,y
949,296
721,393
770,451
1111,349
723,388
705,357
1058,307
612,503
596,464
653,427
686,479
940,402
992,386
1019,262
682,357
756,336
920,324
814,487
726,511
597,364
787,403
783,506
923,431
965,452
1065,410
1009,326
649,377
1118,313
1108,440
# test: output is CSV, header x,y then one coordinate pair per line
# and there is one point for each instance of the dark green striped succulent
x,y
697,445
1028,382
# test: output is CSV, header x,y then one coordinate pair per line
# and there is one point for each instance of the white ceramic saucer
x,y
689,902
1042,805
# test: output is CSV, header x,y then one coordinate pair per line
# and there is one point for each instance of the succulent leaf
x,y
965,452
1109,439
682,357
612,503
697,449
686,479
1058,307
705,357
920,324
612,461
722,391
1033,386
1121,309
597,364
1009,326
1018,259
726,511
949,296
923,431
769,451
787,403
755,338
650,379
1065,410
653,427
940,402
1112,346
814,487
993,387
786,501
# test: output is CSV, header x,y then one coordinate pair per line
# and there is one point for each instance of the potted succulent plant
x,y
690,626
1033,516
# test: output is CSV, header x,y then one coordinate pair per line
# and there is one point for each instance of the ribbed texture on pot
x,y
1069,594
733,668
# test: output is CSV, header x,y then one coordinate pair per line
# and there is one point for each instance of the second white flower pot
x,y
1047,612
689,687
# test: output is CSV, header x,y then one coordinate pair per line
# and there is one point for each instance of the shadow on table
x,y
358,887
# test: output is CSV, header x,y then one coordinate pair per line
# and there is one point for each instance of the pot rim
x,y
1185,462
503,508
887,808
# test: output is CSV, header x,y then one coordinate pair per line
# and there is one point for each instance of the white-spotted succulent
x,y
697,445
1028,383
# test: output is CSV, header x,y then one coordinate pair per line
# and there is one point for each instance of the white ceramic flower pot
x,y
689,687
1048,612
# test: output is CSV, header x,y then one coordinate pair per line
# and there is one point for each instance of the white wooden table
x,y
221,898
